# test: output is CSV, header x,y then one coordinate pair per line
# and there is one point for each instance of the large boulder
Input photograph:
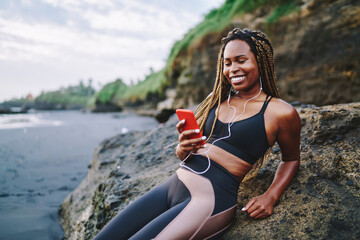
x,y
323,201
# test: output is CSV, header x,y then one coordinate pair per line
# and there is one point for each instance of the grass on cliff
x,y
283,9
110,91
119,93
152,84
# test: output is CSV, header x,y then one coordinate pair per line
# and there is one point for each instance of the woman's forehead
x,y
236,48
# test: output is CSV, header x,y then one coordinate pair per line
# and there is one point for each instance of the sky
x,y
48,44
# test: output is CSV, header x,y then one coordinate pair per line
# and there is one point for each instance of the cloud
x,y
101,39
78,5
26,3
136,37
50,57
43,40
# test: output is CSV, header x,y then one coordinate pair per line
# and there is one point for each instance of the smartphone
x,y
190,122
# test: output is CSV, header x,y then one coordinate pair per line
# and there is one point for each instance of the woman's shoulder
x,y
282,110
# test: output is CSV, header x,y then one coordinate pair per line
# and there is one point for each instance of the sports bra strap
x,y
266,102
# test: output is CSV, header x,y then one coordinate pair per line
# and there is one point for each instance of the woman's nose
x,y
234,68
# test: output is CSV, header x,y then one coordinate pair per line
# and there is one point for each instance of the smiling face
x,y
240,67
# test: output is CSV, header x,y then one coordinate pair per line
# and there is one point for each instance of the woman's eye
x,y
227,64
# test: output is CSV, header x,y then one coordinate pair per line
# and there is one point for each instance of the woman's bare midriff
x,y
233,164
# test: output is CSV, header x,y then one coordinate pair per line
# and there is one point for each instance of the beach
x,y
43,157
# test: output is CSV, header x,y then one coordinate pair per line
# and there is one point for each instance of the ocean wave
x,y
25,121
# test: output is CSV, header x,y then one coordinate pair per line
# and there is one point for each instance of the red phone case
x,y
190,122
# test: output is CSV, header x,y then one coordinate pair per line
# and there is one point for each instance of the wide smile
x,y
237,79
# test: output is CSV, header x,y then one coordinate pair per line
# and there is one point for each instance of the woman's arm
x,y
288,137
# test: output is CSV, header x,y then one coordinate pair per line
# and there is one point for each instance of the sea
x,y
44,155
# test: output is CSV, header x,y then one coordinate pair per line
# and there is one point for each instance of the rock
x,y
4,195
163,115
108,107
169,102
160,115
322,202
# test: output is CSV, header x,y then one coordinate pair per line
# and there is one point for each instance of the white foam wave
x,y
25,121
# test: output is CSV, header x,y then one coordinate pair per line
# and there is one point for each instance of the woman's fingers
x,y
180,126
191,144
253,208
258,207
186,141
261,215
255,214
187,134
248,205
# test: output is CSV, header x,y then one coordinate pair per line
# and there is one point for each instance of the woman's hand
x,y
187,144
260,206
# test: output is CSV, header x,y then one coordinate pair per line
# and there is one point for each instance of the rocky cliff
x,y
316,54
323,202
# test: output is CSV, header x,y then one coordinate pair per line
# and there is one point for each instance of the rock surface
x,y
323,202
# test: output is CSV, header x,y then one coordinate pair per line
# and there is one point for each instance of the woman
x,y
242,118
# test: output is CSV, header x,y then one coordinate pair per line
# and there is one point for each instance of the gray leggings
x,y
186,206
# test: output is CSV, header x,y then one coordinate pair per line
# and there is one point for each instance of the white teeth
x,y
237,79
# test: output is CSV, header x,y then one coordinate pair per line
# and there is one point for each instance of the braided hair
x,y
261,47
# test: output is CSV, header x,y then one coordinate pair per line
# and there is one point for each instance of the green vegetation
x,y
152,84
118,93
17,102
214,22
282,10
70,97
110,91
